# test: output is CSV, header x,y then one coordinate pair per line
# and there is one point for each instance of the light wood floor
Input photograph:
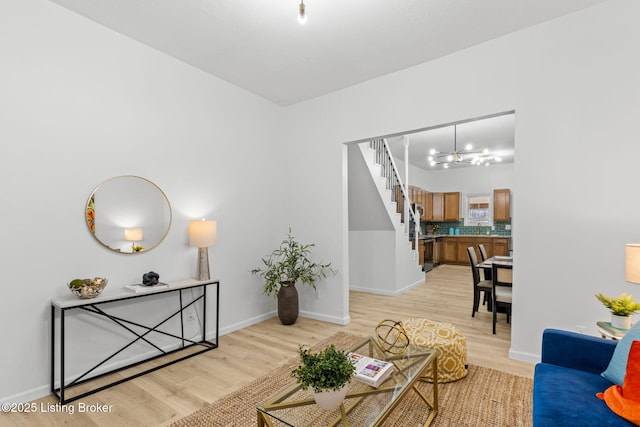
x,y
171,393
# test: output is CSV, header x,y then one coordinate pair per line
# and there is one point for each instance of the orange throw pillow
x,y
625,400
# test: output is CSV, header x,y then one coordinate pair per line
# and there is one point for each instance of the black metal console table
x,y
98,307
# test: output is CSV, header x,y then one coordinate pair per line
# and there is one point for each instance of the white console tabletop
x,y
121,293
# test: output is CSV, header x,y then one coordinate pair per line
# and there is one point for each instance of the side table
x,y
608,331
101,309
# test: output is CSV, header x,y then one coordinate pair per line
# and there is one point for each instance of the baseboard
x,y
384,291
324,318
373,291
241,325
27,396
524,356
411,286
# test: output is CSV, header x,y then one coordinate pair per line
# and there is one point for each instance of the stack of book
x,y
369,370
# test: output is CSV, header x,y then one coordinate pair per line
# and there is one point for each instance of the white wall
x,y
81,104
466,180
574,88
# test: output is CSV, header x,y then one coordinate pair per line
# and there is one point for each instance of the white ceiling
x,y
495,133
259,45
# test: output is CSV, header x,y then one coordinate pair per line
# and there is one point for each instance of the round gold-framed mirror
x,y
128,214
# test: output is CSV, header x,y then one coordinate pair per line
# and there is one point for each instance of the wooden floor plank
x,y
171,393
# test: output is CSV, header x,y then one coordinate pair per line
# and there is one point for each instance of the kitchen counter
x,y
454,248
492,236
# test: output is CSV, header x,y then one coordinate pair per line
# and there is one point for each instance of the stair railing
x,y
399,191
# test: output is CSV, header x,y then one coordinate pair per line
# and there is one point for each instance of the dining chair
x,y
484,257
484,286
501,290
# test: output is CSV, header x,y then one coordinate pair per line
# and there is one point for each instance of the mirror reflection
x,y
128,214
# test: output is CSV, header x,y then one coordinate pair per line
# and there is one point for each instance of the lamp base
x,y
202,270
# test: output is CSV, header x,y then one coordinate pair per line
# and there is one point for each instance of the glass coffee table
x,y
364,405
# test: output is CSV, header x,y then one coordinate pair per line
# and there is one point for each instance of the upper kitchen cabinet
x,y
501,205
427,203
437,204
452,207
445,207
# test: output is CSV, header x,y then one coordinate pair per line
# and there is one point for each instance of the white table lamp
x,y
632,262
133,235
202,234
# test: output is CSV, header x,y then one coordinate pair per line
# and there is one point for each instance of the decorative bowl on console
x,y
88,288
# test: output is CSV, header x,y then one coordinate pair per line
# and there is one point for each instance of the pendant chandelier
x,y
466,156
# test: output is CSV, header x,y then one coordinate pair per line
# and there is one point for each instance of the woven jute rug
x,y
485,397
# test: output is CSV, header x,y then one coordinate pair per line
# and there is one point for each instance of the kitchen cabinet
x,y
442,207
502,205
437,207
449,250
500,247
451,207
427,200
437,204
454,248
462,243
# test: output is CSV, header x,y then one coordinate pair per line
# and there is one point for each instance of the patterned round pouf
x,y
449,343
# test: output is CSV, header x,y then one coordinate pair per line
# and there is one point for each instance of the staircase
x,y
399,192
382,259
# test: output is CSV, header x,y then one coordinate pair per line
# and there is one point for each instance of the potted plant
x,y
283,268
622,307
327,373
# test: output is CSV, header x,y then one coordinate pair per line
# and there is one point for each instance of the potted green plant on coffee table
x,y
283,268
327,373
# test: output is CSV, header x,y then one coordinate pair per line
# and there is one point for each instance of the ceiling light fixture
x,y
302,16
465,156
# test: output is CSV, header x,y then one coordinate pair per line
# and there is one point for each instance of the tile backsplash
x,y
443,228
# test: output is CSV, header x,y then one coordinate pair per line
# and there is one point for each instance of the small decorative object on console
x,y
150,279
88,288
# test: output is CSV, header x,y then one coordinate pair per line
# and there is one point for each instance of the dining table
x,y
497,259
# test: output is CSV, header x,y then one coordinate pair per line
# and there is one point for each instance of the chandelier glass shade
x,y
465,156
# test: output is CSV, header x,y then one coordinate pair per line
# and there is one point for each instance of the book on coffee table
x,y
369,370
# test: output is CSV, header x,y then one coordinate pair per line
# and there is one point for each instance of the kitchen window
x,y
478,210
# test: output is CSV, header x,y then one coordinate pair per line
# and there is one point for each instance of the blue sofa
x,y
567,379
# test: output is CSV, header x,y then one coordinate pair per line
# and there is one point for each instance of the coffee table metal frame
x,y
424,358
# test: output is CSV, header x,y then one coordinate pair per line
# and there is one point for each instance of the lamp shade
x,y
632,262
133,234
203,233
